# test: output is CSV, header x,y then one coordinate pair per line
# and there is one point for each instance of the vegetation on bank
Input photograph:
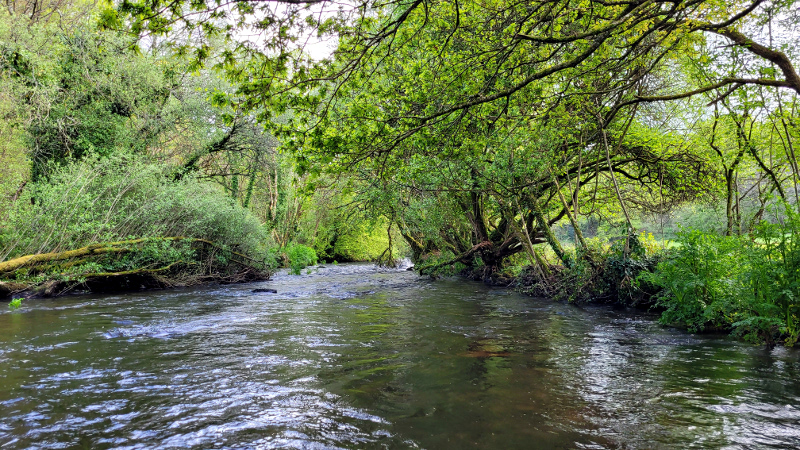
x,y
123,167
748,284
700,281
743,284
495,139
122,222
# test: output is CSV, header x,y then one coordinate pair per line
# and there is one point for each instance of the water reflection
x,y
356,357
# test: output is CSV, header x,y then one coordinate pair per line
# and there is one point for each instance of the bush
x,y
749,285
300,257
700,280
122,198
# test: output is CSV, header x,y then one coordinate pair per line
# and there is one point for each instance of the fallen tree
x,y
126,265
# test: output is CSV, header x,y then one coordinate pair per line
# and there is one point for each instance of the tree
x,y
470,88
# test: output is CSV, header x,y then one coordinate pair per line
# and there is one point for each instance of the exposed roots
x,y
534,282
611,281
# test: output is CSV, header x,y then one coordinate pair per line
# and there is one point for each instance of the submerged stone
x,y
264,291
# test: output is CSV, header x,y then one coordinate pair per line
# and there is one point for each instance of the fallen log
x,y
90,250
106,248
130,272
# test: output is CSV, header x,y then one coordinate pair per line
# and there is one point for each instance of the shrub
x,y
300,257
700,280
749,285
122,198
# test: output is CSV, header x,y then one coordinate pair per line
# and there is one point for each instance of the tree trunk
x,y
578,233
729,202
550,237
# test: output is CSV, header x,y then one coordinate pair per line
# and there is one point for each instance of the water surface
x,y
352,356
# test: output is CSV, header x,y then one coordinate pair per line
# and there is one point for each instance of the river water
x,y
352,356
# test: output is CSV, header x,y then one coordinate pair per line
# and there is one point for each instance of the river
x,y
352,356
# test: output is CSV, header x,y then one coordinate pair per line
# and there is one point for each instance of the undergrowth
x,y
300,257
749,285
601,272
123,198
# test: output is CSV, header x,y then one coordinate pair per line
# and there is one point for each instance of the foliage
x,y
474,127
340,221
88,92
124,197
300,257
503,100
467,131
748,285
602,272
120,142
699,279
363,241
16,303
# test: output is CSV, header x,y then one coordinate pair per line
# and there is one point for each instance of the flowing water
x,y
352,356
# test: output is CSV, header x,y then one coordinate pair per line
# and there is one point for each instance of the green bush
x,y
749,284
300,257
123,197
700,280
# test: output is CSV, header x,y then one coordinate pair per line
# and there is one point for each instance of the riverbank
x,y
745,285
116,283
703,284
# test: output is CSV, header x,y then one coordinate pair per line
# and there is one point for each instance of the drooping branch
x,y
792,79
139,271
722,83
462,258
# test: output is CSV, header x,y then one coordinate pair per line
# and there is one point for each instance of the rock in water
x,y
265,291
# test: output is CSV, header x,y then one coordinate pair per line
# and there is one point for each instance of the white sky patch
x,y
309,41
